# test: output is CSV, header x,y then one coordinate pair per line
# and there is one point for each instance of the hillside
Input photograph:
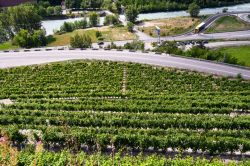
x,y
103,104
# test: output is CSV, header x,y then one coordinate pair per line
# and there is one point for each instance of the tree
x,y
82,24
111,20
85,4
130,27
3,34
57,10
67,27
194,10
27,39
68,4
94,19
5,26
131,13
44,4
42,11
50,11
106,4
24,17
39,38
83,41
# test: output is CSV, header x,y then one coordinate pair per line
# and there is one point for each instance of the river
x,y
50,25
205,11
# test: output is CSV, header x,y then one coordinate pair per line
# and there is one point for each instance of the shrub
x,y
57,10
94,19
82,24
135,45
130,27
50,11
111,20
98,34
169,48
67,27
27,39
80,41
131,13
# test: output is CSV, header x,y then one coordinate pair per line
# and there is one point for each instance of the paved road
x,y
202,36
244,17
13,59
227,44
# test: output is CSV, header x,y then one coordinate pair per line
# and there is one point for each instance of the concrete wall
x,y
6,3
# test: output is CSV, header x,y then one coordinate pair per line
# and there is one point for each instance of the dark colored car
x,y
100,43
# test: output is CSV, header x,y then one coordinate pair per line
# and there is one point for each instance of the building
x,y
7,3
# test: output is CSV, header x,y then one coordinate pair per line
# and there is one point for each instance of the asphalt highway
x,y
227,44
14,59
202,36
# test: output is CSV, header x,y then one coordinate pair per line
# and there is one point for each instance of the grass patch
x,y
242,53
170,26
7,46
108,33
228,24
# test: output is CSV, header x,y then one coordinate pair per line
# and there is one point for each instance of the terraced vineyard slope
x,y
98,106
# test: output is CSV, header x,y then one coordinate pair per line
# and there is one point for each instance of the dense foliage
x,y
84,104
71,26
144,5
198,51
94,19
111,20
27,39
131,13
130,26
80,41
13,19
135,45
52,2
194,10
22,25
45,9
96,4
163,5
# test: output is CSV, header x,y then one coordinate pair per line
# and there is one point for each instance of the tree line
x,y
163,5
22,25
144,5
114,6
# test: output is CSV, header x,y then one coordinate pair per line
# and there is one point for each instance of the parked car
x,y
100,43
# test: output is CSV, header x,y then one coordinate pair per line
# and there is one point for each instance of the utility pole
x,y
158,33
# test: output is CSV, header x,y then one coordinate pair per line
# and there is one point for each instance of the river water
x,y
205,11
51,25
